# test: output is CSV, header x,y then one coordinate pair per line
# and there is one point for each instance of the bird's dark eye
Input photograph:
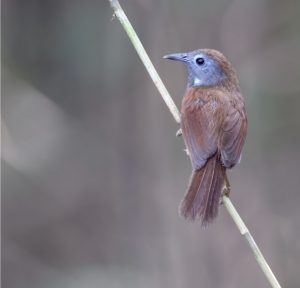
x,y
200,61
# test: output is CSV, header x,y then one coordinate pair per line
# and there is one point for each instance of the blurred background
x,y
92,173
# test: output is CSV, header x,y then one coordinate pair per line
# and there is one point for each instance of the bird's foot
x,y
187,152
178,133
225,191
227,187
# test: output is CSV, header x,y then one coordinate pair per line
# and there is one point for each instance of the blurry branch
x,y
119,13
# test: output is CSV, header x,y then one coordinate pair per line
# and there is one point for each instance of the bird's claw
x,y
187,152
225,192
178,133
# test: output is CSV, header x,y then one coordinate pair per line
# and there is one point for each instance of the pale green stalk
x,y
119,13
256,251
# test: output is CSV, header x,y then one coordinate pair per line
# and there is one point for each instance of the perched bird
x,y
214,127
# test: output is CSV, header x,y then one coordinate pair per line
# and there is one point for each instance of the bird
x,y
214,127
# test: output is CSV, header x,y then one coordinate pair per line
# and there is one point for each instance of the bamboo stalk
x,y
120,14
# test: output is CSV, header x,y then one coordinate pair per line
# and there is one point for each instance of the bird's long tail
x,y
204,191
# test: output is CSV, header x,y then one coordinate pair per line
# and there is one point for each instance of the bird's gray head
x,y
206,67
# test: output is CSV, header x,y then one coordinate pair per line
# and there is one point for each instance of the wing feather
x,y
211,122
198,123
233,137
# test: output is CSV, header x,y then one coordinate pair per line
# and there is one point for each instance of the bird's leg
x,y
226,189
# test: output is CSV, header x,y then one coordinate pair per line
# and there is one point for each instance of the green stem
x,y
256,251
120,14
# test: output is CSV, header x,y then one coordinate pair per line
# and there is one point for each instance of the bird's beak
x,y
183,57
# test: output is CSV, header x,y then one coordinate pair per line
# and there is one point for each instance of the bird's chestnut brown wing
x,y
233,136
199,124
211,123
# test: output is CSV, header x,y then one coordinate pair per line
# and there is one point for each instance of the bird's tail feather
x,y
204,191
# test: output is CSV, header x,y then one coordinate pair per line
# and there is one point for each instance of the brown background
x,y
92,173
